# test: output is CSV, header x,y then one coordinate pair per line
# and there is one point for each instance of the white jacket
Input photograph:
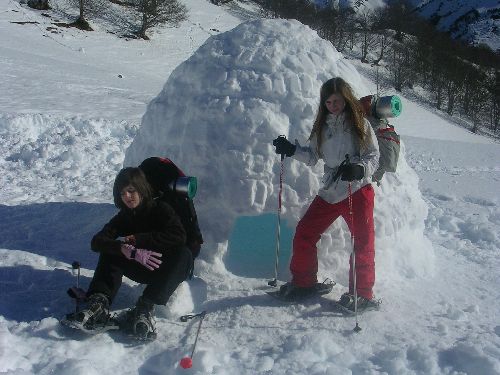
x,y
338,140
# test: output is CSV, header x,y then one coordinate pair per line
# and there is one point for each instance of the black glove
x,y
351,172
284,146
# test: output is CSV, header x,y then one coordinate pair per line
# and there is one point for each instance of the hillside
x,y
474,21
75,107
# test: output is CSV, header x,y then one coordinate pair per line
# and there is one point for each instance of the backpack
x,y
163,176
377,110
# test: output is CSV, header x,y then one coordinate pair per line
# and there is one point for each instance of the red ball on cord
x,y
186,362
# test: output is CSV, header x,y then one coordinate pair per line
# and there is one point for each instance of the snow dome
x,y
217,116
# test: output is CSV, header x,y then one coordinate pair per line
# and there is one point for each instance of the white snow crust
x,y
68,123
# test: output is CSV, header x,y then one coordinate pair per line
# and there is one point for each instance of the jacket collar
x,y
335,120
139,210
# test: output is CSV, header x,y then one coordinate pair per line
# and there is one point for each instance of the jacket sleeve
x,y
105,241
307,154
168,234
370,154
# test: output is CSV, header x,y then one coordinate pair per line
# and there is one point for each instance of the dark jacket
x,y
156,228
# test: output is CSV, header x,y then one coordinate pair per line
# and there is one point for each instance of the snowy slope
x,y
65,133
474,21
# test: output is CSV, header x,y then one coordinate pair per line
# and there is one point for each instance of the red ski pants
x,y
319,216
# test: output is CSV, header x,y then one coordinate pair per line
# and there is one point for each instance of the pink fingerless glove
x,y
128,250
149,259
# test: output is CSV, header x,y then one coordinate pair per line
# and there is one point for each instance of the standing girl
x,y
344,139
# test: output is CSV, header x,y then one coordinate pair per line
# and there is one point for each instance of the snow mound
x,y
217,115
53,152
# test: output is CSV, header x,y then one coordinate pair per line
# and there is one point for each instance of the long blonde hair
x,y
353,110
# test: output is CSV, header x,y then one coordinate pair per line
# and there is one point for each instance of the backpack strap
x,y
170,162
381,134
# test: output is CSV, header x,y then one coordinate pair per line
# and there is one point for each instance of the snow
x,y
213,101
354,4
475,21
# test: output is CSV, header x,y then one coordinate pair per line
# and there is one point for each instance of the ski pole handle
x,y
185,318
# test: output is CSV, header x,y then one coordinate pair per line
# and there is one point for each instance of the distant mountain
x,y
474,21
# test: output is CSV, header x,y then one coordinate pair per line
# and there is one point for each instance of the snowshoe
x,y
346,305
94,318
139,321
292,293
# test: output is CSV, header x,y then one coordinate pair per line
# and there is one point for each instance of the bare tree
x,y
469,94
438,85
364,24
271,8
478,108
396,66
39,4
81,22
87,8
159,12
495,100
301,10
383,41
397,16
324,23
341,28
454,82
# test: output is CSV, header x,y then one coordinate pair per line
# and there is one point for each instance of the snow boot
x,y
94,317
346,303
291,292
139,321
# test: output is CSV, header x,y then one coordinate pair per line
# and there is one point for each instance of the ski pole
x,y
278,226
76,266
357,328
187,362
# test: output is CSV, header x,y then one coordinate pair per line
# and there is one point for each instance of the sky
x,y
211,95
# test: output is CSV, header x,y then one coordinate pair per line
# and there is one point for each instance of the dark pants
x,y
161,283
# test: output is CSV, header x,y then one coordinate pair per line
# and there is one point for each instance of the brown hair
x,y
136,178
353,109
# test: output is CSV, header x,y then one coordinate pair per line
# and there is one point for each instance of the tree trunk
x,y
451,91
382,50
439,95
144,26
364,48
